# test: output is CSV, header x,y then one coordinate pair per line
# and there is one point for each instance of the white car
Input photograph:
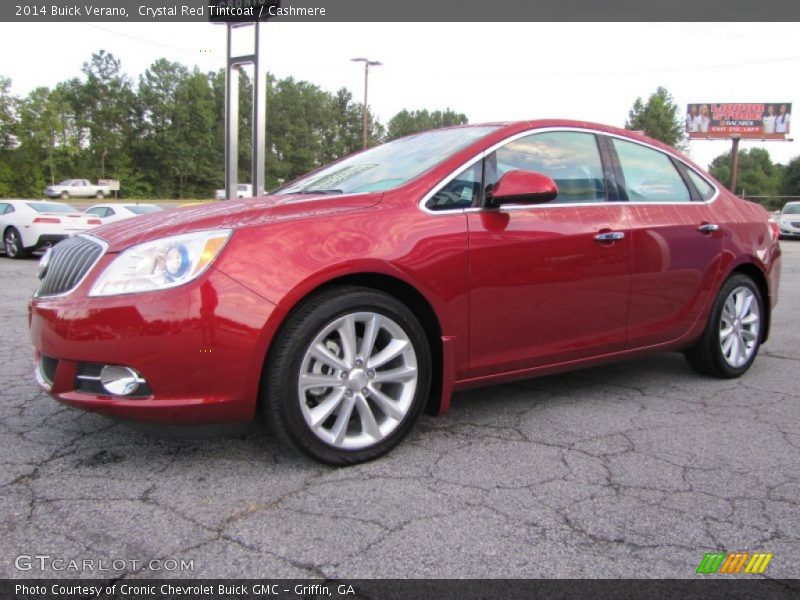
x,y
108,213
789,221
243,190
28,225
77,188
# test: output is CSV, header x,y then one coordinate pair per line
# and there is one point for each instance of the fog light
x,y
119,381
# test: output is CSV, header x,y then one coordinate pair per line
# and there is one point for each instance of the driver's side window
x,y
570,158
460,192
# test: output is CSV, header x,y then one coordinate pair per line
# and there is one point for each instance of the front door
x,y
550,283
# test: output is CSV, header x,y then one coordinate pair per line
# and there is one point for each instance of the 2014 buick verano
x,y
348,301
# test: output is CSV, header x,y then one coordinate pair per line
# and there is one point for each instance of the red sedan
x,y
347,302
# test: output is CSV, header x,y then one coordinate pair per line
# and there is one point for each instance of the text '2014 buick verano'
x,y
350,300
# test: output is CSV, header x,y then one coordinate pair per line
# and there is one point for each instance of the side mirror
x,y
522,187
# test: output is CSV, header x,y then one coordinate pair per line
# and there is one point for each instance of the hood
x,y
229,214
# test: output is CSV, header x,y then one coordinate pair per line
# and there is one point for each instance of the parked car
x,y
77,188
108,213
29,225
350,300
789,220
243,190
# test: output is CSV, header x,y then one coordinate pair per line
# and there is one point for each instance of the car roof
x,y
27,200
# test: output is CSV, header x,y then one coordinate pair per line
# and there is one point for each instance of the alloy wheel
x,y
357,380
12,244
739,326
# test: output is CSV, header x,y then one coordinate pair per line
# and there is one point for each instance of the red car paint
x,y
514,293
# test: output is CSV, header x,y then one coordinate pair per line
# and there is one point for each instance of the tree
x,y
8,140
790,186
758,175
107,108
406,123
7,114
660,118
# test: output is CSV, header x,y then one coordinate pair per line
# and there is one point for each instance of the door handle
x,y
610,236
708,228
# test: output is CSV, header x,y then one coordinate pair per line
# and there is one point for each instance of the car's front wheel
x,y
348,376
732,337
12,242
64,195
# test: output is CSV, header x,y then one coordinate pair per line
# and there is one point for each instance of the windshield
x,y
791,209
52,207
143,209
66,182
389,165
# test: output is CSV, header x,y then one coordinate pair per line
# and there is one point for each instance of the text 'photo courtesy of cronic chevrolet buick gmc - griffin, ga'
x,y
347,302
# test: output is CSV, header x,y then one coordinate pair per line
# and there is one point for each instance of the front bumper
x,y
200,347
788,229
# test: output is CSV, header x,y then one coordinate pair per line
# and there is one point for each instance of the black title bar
x,y
398,10
701,588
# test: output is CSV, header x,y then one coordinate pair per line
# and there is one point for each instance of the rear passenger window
x,y
570,158
649,174
705,189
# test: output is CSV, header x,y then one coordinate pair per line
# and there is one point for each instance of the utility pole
x,y
367,64
734,162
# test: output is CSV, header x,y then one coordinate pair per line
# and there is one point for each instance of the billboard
x,y
754,120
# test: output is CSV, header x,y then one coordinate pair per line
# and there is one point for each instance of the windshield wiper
x,y
320,192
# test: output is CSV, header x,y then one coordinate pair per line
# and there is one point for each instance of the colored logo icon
x,y
734,562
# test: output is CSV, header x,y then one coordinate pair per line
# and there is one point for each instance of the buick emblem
x,y
41,271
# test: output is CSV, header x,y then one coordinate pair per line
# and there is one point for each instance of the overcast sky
x,y
490,71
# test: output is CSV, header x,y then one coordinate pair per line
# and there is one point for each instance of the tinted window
x,y
705,189
460,192
52,207
4,208
98,211
649,174
389,165
143,209
570,158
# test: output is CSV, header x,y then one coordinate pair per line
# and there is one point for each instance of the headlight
x,y
161,264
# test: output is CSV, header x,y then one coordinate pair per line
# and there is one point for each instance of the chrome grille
x,y
69,261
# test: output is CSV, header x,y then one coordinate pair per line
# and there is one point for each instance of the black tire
x,y
12,243
279,400
65,195
707,356
99,195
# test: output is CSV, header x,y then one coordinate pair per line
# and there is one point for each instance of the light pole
x,y
367,64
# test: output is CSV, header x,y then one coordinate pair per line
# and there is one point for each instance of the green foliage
x,y
406,123
660,118
758,175
791,178
164,135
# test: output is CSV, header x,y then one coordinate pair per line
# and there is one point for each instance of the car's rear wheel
x,y
732,337
348,376
12,242
99,195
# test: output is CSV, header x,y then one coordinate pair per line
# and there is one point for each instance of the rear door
x,y
676,242
549,283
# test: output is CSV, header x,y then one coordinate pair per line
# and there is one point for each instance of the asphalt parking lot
x,y
630,470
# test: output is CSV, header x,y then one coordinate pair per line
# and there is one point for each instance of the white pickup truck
x,y
243,190
77,188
